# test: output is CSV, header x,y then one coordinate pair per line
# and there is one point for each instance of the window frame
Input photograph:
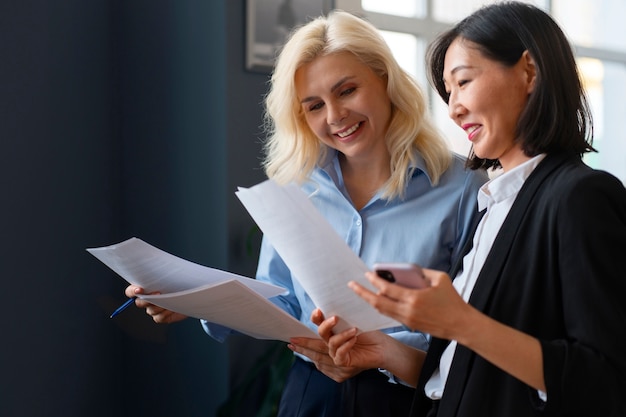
x,y
426,29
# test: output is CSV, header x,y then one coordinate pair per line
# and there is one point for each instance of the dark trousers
x,y
370,394
309,393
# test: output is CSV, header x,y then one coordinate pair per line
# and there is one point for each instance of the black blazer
x,y
556,272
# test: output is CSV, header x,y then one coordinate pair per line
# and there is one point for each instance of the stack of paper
x,y
310,247
197,291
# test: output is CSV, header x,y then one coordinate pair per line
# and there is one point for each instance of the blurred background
x,y
123,118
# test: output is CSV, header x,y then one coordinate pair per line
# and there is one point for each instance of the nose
x,y
455,108
335,113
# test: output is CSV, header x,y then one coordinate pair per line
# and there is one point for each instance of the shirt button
x,y
358,222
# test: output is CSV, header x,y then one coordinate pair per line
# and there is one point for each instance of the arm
x,y
440,311
345,354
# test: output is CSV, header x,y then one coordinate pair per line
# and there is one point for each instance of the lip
x,y
352,129
471,129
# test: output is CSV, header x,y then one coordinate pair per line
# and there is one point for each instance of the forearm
x,y
403,361
509,349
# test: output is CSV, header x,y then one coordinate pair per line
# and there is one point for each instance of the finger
x,y
385,287
434,276
340,347
325,329
163,317
317,317
336,341
133,291
154,310
311,344
172,317
381,302
389,291
318,358
362,292
143,303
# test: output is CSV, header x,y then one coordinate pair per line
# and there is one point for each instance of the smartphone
x,y
405,274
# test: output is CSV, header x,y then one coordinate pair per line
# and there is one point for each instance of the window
x,y
595,28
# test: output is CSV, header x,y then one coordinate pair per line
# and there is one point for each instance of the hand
x,y
158,314
435,309
350,349
317,351
369,350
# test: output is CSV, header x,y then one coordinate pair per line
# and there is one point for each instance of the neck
x,y
363,179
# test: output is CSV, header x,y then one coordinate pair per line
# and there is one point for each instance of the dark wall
x,y
118,118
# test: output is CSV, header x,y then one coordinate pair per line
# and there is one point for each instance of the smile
x,y
348,131
470,130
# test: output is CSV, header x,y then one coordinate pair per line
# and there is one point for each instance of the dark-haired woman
x,y
534,322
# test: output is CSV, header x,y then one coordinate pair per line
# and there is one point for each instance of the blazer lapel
x,y
421,403
490,274
498,256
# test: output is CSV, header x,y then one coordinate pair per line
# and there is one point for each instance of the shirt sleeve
x,y
590,363
273,270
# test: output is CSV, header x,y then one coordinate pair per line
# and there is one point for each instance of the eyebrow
x,y
332,89
455,70
459,68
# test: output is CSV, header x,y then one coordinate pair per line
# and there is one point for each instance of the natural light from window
x,y
596,29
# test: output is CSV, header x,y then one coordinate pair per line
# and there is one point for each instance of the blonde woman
x,y
351,127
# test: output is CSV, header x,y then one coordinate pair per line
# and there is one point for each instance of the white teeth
x,y
471,129
349,131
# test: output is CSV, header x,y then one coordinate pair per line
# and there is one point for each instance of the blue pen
x,y
123,307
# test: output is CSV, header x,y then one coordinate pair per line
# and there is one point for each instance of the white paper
x,y
153,269
221,297
236,306
315,254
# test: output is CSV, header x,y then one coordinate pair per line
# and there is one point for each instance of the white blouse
x,y
497,196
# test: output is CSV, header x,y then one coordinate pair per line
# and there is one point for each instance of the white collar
x,y
506,184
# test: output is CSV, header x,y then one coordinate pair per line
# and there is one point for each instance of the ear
x,y
530,69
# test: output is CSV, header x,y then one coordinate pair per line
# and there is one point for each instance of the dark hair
x,y
557,116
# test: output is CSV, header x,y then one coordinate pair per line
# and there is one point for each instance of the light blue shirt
x,y
428,227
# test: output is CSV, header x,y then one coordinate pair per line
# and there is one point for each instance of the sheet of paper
x,y
313,251
221,297
236,306
153,269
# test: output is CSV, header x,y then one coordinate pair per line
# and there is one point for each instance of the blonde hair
x,y
292,150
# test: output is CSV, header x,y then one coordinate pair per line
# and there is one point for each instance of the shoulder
x,y
572,177
573,188
459,175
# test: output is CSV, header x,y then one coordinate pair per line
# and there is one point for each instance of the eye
x,y
461,83
316,106
347,91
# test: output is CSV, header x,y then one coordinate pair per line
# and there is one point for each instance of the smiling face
x,y
486,100
345,104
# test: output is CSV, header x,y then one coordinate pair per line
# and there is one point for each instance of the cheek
x,y
317,125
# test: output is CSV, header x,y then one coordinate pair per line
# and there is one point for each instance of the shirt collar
x,y
507,184
330,165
